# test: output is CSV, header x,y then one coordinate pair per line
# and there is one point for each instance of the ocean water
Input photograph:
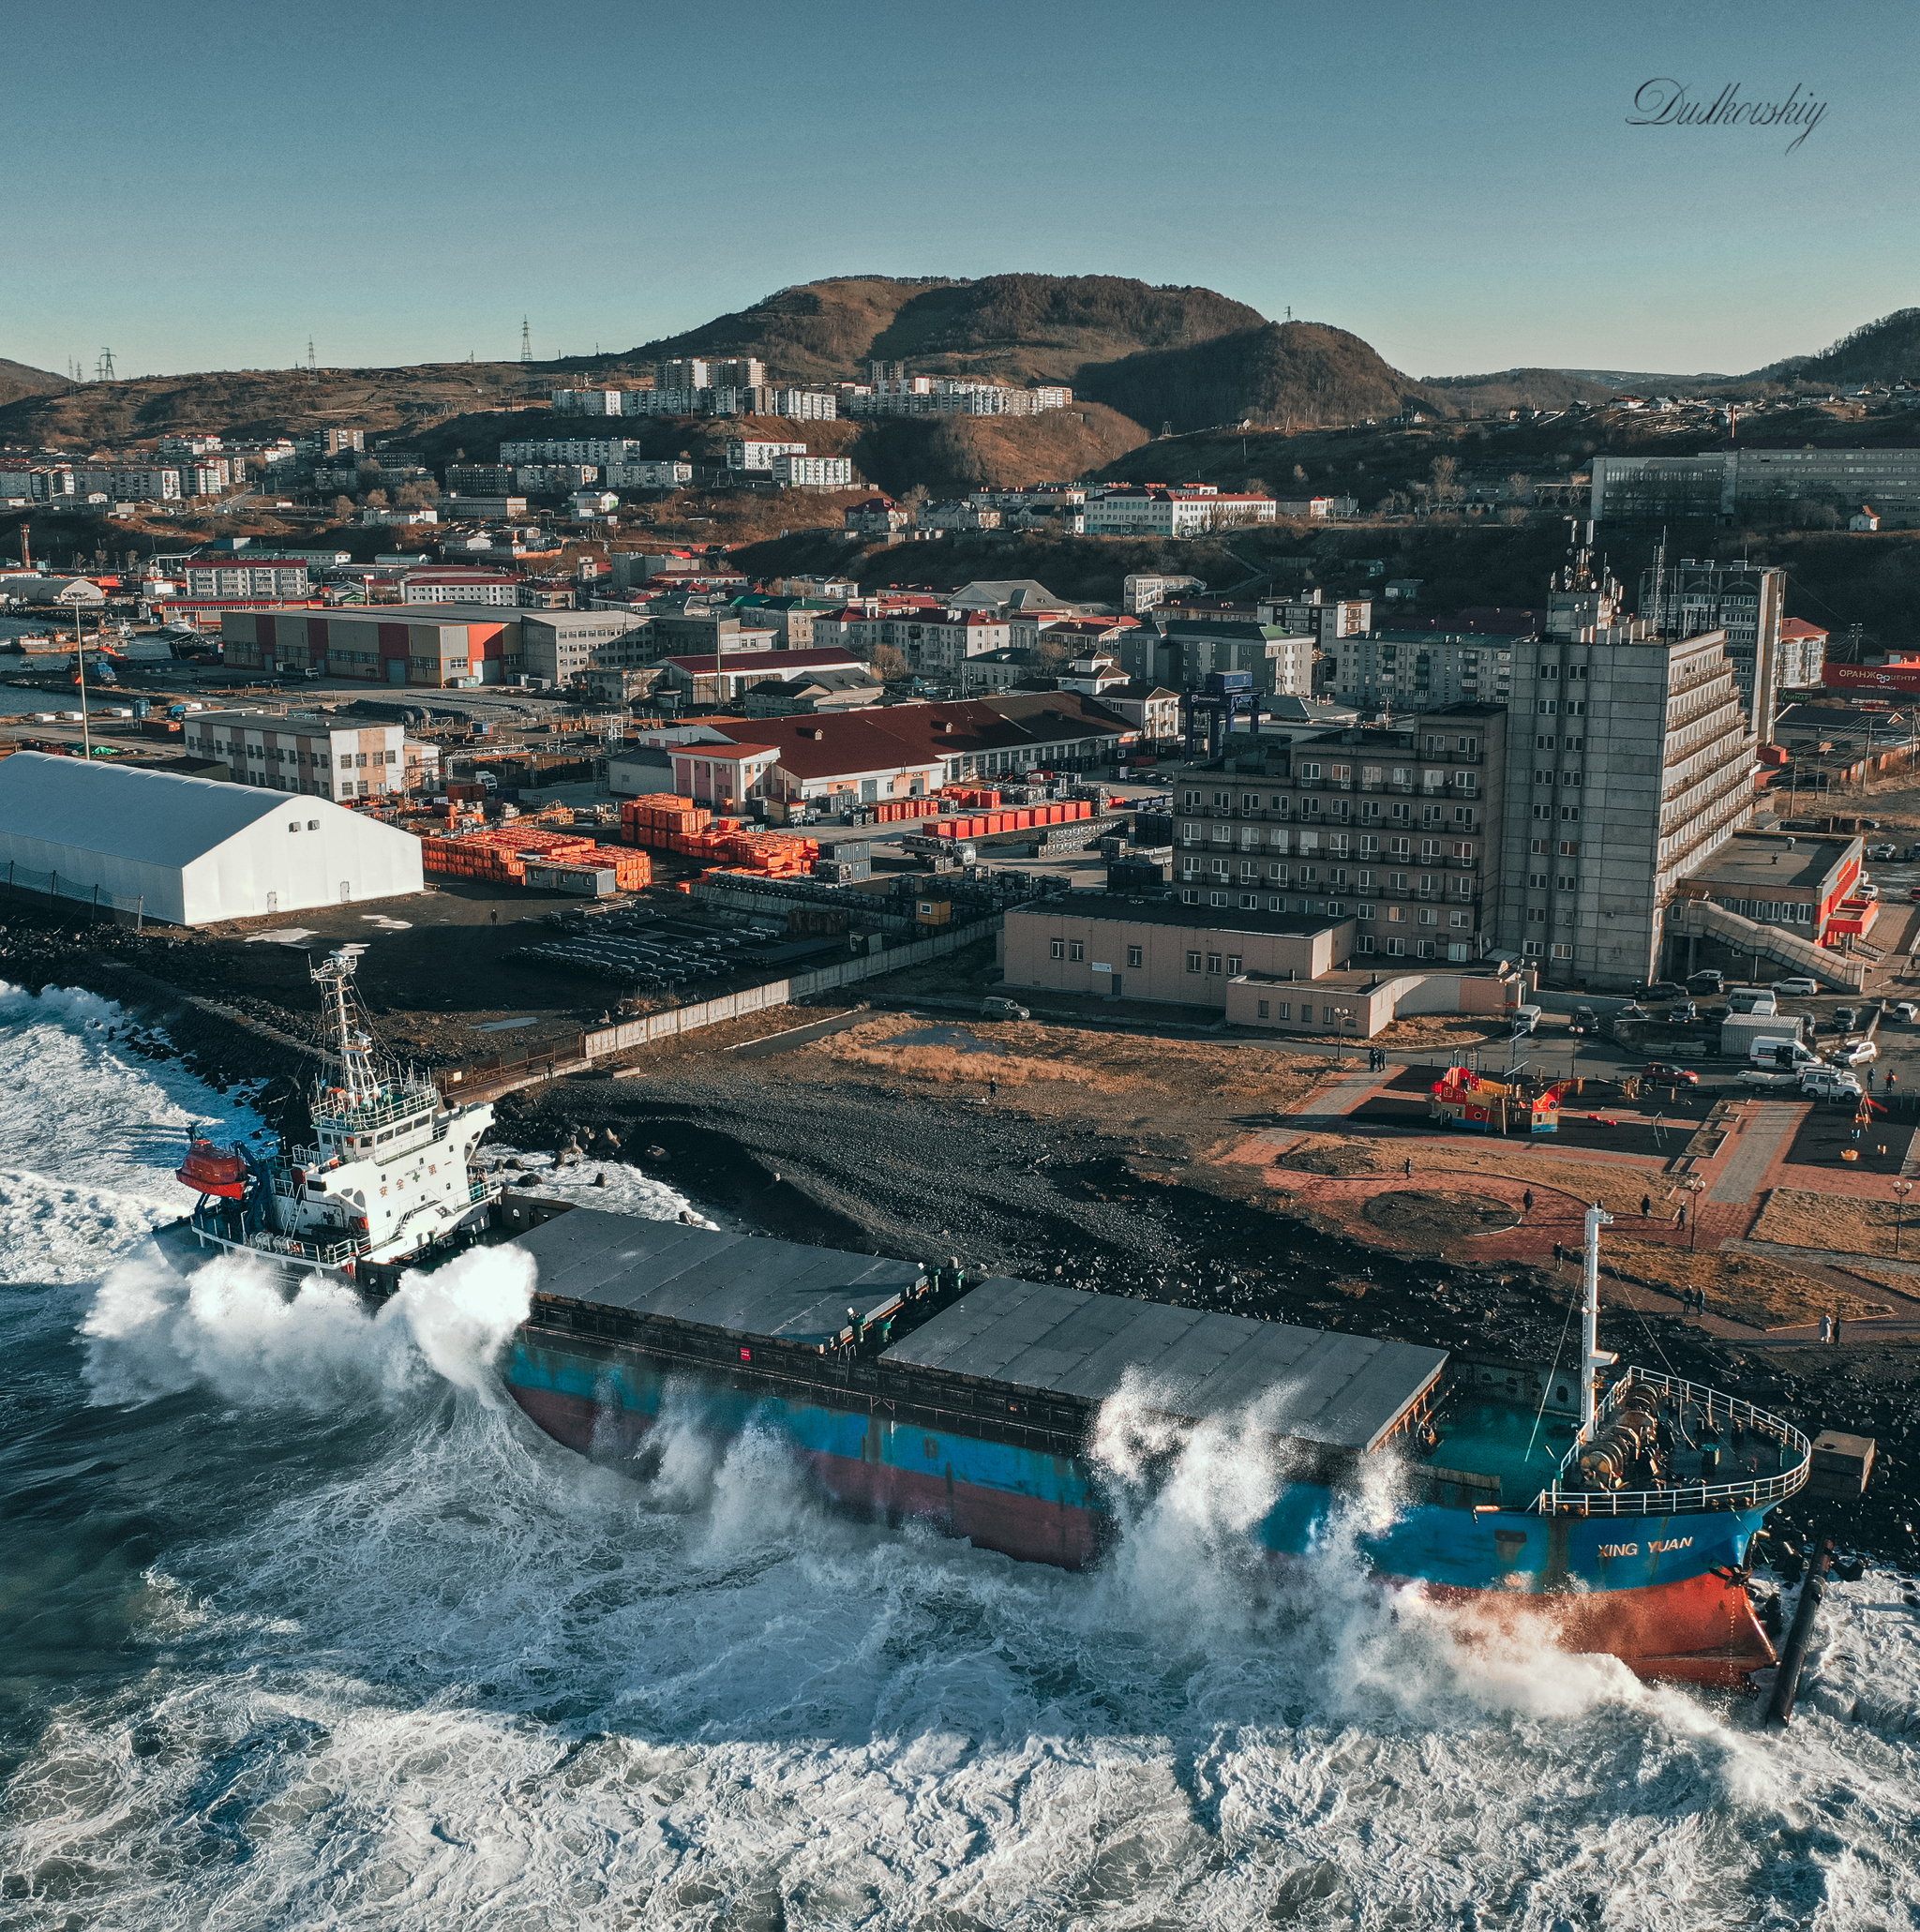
x,y
304,1627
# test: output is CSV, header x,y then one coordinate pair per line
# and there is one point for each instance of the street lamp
x,y
1901,1189
86,742
1695,1187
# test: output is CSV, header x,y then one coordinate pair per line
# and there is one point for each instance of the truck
x,y
1738,1031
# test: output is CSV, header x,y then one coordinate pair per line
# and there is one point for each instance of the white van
x,y
1758,1002
1526,1019
1780,1052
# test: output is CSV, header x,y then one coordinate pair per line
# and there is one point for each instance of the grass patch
x,y
1749,1288
1836,1223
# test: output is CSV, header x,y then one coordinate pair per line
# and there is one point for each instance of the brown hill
x,y
1886,351
255,402
18,378
1015,327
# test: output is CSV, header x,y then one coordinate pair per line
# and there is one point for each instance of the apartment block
x,y
746,453
1148,511
310,756
129,482
1630,759
1397,829
1413,670
1746,601
241,575
598,450
1718,484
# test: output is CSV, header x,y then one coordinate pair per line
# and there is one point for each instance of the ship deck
x,y
1486,1437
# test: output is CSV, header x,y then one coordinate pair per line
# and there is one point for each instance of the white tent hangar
x,y
194,850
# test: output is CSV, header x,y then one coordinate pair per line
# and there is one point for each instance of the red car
x,y
1663,1075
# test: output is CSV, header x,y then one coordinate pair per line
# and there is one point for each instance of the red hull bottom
x,y
1697,1630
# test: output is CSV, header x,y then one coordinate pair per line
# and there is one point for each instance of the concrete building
x,y
752,452
1410,670
482,479
1717,485
936,645
534,479
1316,615
803,472
1746,601
194,851
450,584
556,646
129,482
1397,829
1166,951
1140,594
1801,662
712,632
666,474
876,516
245,576
310,754
600,451
462,509
1186,650
1796,883
1148,510
1630,759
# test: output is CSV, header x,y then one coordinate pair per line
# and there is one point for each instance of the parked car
x,y
1880,851
1798,987
1003,1010
1857,1052
1584,1021
1829,1084
1681,1014
1708,979
1662,989
1904,1010
1867,889
1713,1015
1755,1000
1846,1018
1526,1019
1780,1082
1661,1074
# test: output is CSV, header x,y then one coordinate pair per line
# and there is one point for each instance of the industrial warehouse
x,y
193,851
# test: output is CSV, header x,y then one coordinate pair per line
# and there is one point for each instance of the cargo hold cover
x,y
742,1283
1346,1391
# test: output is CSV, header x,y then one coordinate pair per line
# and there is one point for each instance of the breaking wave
x,y
310,1628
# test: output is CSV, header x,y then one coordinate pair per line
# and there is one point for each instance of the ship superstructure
x,y
390,1175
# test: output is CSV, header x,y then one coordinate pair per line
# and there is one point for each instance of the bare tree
x,y
343,509
376,500
1445,474
888,664
1520,486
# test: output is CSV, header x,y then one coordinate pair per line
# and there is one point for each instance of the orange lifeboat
x,y
208,1170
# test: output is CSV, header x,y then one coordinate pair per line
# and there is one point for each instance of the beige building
x,y
304,753
1158,949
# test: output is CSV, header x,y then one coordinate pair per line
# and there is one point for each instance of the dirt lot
x,y
1745,1288
1619,1189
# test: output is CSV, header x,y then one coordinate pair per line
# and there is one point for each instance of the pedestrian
x,y
1837,1331
1526,1202
1646,1208
1409,1167
1891,1077
1826,1328
1559,1255
993,1087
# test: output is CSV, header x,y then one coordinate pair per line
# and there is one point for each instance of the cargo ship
x,y
1607,1508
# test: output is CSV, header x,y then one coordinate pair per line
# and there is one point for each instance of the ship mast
x,y
1593,1359
353,1046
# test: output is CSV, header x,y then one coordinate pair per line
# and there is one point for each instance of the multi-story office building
x,y
1745,600
1398,828
1717,485
1631,758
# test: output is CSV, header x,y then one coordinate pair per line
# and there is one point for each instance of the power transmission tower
x,y
312,373
103,369
526,345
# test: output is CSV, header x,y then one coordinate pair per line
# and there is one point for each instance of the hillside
x,y
1517,389
1886,351
17,379
1015,328
256,402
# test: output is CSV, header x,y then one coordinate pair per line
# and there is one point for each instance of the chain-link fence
x,y
51,890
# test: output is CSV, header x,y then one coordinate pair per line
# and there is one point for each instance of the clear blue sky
x,y
208,188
